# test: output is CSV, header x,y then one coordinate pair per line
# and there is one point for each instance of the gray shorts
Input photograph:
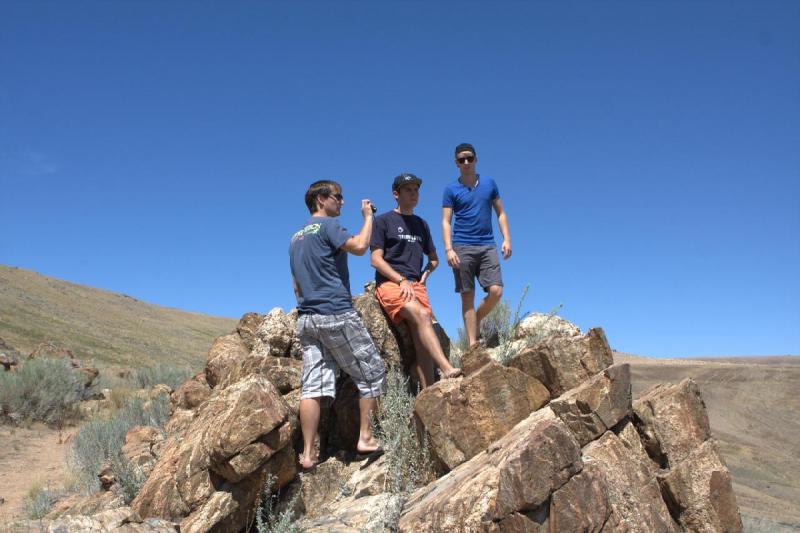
x,y
331,342
480,261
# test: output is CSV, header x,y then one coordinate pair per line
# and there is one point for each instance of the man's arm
x,y
447,237
296,288
433,262
502,221
379,263
358,244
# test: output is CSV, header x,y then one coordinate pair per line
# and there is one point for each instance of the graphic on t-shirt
x,y
310,229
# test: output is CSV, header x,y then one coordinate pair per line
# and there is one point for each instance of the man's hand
x,y
407,291
424,277
452,258
505,249
366,208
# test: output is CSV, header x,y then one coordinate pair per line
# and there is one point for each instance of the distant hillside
x,y
113,329
753,405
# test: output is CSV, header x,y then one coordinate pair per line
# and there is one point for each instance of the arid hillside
x,y
110,328
753,405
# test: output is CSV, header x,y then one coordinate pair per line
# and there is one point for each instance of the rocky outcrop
x,y
9,356
211,477
464,415
56,351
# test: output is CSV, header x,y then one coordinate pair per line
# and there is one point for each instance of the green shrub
x,y
268,518
44,389
39,501
149,376
101,440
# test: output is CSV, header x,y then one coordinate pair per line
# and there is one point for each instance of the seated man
x,y
399,240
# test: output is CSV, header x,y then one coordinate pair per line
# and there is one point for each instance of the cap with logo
x,y
404,179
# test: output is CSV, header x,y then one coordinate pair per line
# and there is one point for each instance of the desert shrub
x,y
408,460
39,501
44,389
129,477
101,440
149,376
268,518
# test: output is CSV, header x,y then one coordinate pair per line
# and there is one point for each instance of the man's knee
x,y
468,298
416,313
495,291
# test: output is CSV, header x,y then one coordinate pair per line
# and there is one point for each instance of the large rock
x,y
275,334
629,483
541,325
283,372
238,435
562,362
672,420
463,416
224,356
380,329
699,492
247,328
597,405
192,393
515,475
9,356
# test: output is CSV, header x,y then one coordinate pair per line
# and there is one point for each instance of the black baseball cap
x,y
464,147
404,179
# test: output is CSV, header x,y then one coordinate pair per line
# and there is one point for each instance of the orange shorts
x,y
388,294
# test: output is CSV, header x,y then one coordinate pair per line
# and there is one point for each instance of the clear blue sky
x,y
648,153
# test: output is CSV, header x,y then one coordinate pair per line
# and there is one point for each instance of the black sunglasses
x,y
338,196
467,159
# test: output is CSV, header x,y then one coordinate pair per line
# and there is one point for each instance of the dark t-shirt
x,y
404,240
320,268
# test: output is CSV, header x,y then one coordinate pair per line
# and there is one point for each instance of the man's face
x,y
407,196
466,160
332,203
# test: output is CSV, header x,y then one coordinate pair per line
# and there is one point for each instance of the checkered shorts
x,y
331,342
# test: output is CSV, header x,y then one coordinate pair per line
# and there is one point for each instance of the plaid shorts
x,y
333,342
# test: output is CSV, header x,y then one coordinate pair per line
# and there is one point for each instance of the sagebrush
x,y
268,518
149,376
43,389
101,440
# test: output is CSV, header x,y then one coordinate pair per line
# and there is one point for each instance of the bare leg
x,y
366,440
491,299
468,313
309,422
426,343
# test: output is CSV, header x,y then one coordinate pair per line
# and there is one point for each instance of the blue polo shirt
x,y
472,208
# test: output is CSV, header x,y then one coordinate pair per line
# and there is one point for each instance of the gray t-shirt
x,y
320,268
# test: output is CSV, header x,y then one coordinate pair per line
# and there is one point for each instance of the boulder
x,y
371,513
541,325
699,492
672,421
562,362
629,483
283,372
380,329
141,447
582,503
192,393
475,358
221,452
224,356
247,328
516,474
9,356
597,405
275,334
464,415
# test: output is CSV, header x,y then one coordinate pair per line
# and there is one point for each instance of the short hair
x,y
323,187
463,147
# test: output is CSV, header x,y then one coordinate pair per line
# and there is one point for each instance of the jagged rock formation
x,y
550,441
9,356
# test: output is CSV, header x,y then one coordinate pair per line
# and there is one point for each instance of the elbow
x,y
361,249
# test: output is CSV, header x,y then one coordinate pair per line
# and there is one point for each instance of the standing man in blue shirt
x,y
332,334
470,245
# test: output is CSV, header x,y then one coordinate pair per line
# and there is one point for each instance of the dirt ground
x,y
30,457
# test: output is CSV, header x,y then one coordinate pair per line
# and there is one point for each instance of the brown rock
x,y
283,372
631,489
78,504
543,325
582,503
275,334
699,492
672,421
223,357
54,351
140,447
475,358
515,475
9,356
562,362
463,416
185,482
371,513
380,329
106,476
247,328
192,393
597,405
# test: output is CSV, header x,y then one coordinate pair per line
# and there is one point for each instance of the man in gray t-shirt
x,y
331,333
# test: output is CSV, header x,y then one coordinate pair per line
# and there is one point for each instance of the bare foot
x,y
307,463
367,446
453,373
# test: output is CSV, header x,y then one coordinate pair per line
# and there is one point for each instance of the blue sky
x,y
648,153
